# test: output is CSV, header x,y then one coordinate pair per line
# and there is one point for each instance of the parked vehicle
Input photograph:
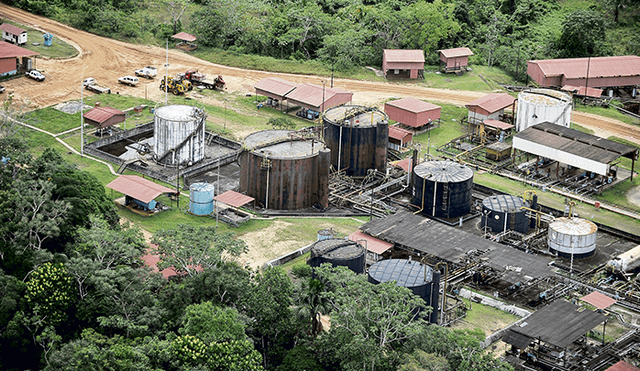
x,y
35,74
176,85
200,79
148,72
128,80
1,89
91,84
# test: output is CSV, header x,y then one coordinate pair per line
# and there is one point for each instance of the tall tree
x,y
583,35
176,9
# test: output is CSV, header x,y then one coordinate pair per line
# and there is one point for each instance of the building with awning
x,y
274,88
13,34
318,98
14,59
573,147
186,41
456,59
599,300
399,138
103,117
582,91
139,191
412,112
491,106
403,63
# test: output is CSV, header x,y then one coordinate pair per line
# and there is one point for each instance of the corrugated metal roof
x,y
234,199
599,300
413,105
493,102
102,114
403,164
399,133
559,323
138,187
404,55
8,50
312,94
498,124
577,143
275,86
9,28
574,68
373,244
580,90
184,36
623,366
456,52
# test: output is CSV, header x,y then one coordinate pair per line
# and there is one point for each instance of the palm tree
x,y
310,303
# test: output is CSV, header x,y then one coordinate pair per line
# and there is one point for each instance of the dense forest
x,y
350,33
76,295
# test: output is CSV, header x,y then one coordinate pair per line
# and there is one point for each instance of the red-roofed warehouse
x,y
404,63
490,106
10,56
412,112
102,117
456,59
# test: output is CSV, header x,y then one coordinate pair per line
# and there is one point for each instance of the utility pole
x,y
166,76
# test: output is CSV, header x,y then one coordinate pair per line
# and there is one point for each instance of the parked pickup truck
x,y
91,84
35,74
148,72
128,80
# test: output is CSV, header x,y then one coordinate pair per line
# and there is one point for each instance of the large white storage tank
x,y
179,136
572,237
536,106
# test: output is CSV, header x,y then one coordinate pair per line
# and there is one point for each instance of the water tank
x,y
536,106
358,138
419,278
284,173
442,188
572,236
179,135
505,211
338,252
325,234
201,198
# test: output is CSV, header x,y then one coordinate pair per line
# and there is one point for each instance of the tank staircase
x,y
201,118
124,164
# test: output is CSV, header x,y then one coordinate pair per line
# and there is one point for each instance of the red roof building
x,y
102,117
138,188
13,34
10,56
404,63
412,112
455,59
311,97
490,106
582,91
603,71
274,87
399,138
375,247
623,366
184,37
598,300
233,198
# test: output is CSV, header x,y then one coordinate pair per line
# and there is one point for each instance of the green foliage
x,y
281,123
49,293
212,324
583,35
233,355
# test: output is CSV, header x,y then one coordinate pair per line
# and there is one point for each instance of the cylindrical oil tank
x,y
358,138
536,106
572,236
419,278
179,137
505,212
338,252
442,188
201,198
284,173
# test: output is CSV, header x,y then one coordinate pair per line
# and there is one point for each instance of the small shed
x,y
457,59
376,248
139,192
399,138
583,91
14,59
102,117
275,89
403,63
490,106
318,99
498,151
412,112
13,34
186,41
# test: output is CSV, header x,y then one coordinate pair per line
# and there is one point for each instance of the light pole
x,y
225,114
166,76
81,117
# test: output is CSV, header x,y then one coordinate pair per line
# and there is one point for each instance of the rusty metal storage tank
x,y
505,212
179,134
572,236
284,173
442,188
419,278
536,106
338,252
358,137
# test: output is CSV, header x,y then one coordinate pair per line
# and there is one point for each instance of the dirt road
x,y
106,60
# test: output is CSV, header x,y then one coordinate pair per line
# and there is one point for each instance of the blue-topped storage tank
x,y
201,198
419,278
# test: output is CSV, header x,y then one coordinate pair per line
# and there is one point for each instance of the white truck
x,y
91,84
148,72
128,80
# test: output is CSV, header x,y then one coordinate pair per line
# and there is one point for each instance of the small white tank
x,y
543,105
572,236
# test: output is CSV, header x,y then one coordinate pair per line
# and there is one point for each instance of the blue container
x,y
201,198
325,234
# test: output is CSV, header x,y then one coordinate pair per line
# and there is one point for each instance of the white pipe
x,y
506,215
435,188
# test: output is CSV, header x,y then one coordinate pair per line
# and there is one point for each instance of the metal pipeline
x,y
424,182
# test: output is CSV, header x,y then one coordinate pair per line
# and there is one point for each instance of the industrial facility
x,y
536,106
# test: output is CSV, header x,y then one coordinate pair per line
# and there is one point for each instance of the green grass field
x,y
58,48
